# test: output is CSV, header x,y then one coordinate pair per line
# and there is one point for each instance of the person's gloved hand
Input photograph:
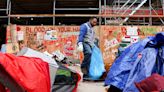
x,y
80,47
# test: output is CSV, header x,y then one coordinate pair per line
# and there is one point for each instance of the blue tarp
x,y
136,63
142,68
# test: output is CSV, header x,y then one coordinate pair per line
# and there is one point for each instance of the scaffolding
x,y
131,8
118,13
7,9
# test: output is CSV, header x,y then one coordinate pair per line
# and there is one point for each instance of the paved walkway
x,y
91,87
88,86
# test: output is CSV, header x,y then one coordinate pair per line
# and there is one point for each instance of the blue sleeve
x,y
83,31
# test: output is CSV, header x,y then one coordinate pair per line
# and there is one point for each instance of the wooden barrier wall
x,y
65,38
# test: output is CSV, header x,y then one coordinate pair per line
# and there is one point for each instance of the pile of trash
x,y
136,63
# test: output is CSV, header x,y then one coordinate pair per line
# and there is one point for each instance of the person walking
x,y
86,43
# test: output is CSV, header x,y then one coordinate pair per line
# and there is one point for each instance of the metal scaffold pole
x,y
118,3
150,19
9,11
157,14
163,6
54,6
75,9
100,12
7,7
105,11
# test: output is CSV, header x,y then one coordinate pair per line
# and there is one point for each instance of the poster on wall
x,y
51,35
40,36
134,39
110,43
132,30
20,35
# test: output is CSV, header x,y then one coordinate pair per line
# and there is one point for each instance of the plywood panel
x,y
109,37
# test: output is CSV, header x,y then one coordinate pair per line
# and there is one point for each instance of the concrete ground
x,y
88,86
91,87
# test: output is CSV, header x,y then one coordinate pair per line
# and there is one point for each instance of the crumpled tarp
x,y
136,63
31,73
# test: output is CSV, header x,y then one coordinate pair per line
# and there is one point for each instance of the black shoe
x,y
85,76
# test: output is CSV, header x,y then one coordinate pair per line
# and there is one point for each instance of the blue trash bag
x,y
96,69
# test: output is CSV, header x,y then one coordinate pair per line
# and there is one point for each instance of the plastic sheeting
x,y
96,69
142,68
120,69
31,73
137,62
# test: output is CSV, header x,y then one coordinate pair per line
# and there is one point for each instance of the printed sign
x,y
51,35
134,39
20,35
132,31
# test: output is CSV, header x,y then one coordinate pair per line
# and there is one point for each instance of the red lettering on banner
x,y
68,29
28,29
75,29
61,29
39,29
50,28
110,33
55,28
35,29
43,29
106,28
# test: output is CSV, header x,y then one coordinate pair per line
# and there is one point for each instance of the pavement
x,y
88,86
91,87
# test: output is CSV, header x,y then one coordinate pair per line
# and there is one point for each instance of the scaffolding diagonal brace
x,y
129,7
157,14
7,10
126,19
123,6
